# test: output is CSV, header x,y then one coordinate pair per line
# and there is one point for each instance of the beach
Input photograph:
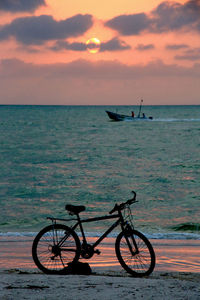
x,y
16,284
176,275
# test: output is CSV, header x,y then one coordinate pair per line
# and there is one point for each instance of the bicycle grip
x,y
134,197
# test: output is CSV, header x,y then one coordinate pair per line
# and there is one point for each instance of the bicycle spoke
x,y
140,261
48,255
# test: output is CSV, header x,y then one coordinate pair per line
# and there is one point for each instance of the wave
x,y
163,120
175,120
17,236
192,227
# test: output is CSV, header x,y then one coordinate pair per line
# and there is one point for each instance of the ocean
x,y
51,156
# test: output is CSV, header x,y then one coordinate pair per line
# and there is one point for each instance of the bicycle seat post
x,y
81,227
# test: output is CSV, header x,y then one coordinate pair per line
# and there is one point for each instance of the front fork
x,y
128,234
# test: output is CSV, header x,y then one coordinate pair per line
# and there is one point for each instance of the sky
x,y
146,49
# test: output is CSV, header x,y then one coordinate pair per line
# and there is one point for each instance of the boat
x,y
119,117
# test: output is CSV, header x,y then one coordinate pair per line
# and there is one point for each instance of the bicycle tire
x,y
137,264
48,255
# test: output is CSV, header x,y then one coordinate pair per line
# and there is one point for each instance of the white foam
x,y
158,235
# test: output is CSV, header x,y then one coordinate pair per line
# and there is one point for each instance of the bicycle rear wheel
x,y
135,253
54,247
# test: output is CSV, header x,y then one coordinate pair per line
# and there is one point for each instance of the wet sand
x,y
171,255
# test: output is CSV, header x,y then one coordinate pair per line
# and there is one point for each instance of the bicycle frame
x,y
80,222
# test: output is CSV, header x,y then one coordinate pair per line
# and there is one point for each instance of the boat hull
x,y
119,117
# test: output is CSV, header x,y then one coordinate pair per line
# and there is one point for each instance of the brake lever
x,y
114,209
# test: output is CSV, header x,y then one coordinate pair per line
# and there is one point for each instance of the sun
x,y
93,45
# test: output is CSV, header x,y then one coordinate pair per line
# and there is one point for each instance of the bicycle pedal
x,y
97,252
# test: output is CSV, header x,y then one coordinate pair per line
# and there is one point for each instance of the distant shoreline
x,y
100,105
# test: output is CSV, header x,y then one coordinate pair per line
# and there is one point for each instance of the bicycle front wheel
x,y
135,253
54,247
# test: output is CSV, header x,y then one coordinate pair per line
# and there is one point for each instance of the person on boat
x,y
132,114
143,115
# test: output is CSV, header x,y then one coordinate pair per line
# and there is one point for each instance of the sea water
x,y
51,156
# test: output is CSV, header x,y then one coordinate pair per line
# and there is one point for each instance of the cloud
x,y
190,55
129,24
166,17
38,30
65,45
142,47
20,5
101,82
170,16
101,70
112,45
176,46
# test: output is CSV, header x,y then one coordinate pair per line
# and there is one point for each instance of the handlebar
x,y
124,204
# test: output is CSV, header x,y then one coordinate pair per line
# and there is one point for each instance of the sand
x,y
29,284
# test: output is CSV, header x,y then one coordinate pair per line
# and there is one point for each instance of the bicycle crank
x,y
87,251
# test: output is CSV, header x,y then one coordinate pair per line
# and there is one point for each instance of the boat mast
x,y
140,108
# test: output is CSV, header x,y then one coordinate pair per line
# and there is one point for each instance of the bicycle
x,y
56,245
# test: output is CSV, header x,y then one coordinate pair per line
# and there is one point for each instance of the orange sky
x,y
101,9
148,48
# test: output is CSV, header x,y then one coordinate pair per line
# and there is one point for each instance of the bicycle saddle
x,y
76,209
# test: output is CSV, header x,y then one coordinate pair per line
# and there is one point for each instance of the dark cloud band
x,y
141,47
13,68
176,46
112,45
129,24
37,30
65,45
189,55
20,5
168,16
